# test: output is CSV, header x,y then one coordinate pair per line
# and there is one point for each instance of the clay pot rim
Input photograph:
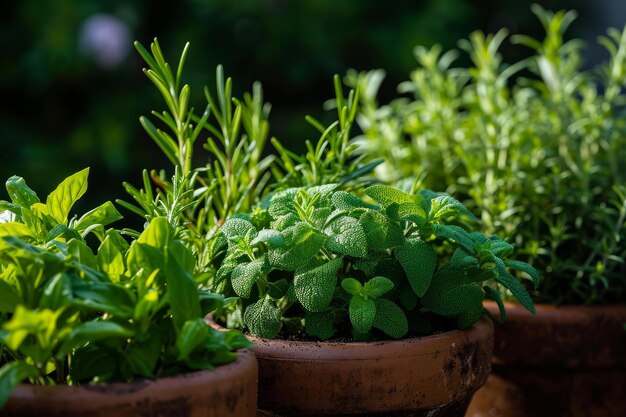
x,y
115,390
547,312
354,351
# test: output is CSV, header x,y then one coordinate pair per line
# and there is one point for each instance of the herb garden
x,y
458,250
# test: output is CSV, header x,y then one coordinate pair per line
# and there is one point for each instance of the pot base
x,y
450,410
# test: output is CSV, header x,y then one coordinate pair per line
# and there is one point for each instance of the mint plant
x,y
534,147
71,315
327,263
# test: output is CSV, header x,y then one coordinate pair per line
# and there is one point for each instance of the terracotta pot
x,y
567,361
227,391
427,376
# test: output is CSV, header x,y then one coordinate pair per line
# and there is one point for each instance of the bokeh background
x,y
72,89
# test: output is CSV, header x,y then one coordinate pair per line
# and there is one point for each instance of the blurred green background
x,y
72,87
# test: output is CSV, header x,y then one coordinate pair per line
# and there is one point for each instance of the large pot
x,y
565,361
227,391
426,376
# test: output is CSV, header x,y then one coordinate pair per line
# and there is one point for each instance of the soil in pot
x,y
227,391
566,361
427,376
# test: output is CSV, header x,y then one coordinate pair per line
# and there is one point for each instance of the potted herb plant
x,y
535,147
317,261
118,331
327,283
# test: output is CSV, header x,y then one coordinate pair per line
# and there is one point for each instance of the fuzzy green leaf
x,y
362,313
245,275
495,296
272,238
524,267
60,201
469,317
347,237
315,287
346,201
302,243
418,259
390,319
235,228
454,234
352,286
385,195
513,285
445,205
263,318
501,248
380,232
451,293
377,286
319,325
413,212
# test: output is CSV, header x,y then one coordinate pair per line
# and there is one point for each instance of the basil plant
x,y
327,263
71,315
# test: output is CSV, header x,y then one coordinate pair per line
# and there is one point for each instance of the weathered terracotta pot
x,y
427,376
566,361
227,391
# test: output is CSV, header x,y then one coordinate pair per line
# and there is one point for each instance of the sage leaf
x,y
377,286
263,318
245,275
302,243
314,288
390,319
347,237
362,313
380,232
418,259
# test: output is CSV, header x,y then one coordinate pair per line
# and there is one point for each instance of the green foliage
x,y
236,176
347,267
534,147
42,224
72,316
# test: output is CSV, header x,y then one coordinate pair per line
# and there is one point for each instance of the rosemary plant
x,y
237,174
535,147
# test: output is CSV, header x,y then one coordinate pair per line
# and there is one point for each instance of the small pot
x,y
227,391
565,361
426,376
